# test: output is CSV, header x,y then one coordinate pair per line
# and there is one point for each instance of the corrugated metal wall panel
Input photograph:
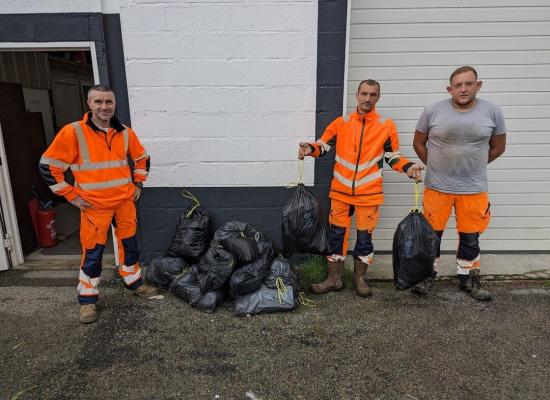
x,y
412,47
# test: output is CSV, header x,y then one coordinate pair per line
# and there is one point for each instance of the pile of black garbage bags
x,y
238,263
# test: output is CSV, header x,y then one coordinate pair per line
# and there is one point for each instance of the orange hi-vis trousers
x,y
366,218
94,227
472,213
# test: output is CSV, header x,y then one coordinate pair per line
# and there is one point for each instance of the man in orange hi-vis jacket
x,y
97,149
363,140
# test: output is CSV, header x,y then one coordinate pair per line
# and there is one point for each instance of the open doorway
x,y
43,90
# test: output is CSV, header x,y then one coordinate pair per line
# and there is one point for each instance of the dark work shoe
x,y
424,287
471,284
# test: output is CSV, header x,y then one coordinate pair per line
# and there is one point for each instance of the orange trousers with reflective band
x,y
366,218
472,214
94,227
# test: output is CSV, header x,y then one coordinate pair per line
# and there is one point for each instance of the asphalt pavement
x,y
394,345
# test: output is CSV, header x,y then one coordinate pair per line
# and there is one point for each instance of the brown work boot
x,y
88,313
145,291
472,284
333,281
359,271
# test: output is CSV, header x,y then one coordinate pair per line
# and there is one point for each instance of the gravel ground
x,y
393,345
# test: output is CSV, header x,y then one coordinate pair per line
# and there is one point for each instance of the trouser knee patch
x,y
336,239
468,246
131,252
92,261
363,245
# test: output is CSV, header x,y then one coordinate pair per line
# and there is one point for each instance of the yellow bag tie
x,y
300,175
281,289
305,301
416,196
188,195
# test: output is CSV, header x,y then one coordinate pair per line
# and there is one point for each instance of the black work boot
x,y
423,288
333,281
472,284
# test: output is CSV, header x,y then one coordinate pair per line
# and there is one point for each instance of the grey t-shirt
x,y
458,145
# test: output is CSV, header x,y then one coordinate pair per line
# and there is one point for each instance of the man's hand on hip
x,y
415,172
80,203
137,193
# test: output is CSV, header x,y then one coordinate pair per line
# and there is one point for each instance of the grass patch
x,y
314,270
18,395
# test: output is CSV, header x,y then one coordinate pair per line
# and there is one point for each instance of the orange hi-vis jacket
x,y
362,143
98,161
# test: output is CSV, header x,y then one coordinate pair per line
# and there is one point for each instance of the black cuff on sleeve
x,y
407,166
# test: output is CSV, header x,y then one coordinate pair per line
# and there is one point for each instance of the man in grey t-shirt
x,y
456,139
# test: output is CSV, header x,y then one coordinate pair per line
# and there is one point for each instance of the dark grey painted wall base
x,y
159,211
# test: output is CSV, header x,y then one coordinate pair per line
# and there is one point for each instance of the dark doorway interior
x,y
41,92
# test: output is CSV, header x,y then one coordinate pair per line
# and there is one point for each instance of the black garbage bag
x,y
243,249
264,300
186,288
162,270
281,270
250,277
414,249
215,268
211,300
236,229
192,234
304,227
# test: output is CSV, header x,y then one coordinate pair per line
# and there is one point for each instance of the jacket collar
x,y
371,115
114,123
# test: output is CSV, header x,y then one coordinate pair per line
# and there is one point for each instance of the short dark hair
x,y
100,88
460,70
370,82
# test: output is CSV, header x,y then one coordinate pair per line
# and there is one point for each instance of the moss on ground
x,y
314,270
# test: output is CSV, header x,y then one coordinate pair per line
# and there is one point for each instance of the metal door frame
x,y
11,234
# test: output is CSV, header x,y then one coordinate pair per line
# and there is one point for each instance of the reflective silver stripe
x,y
144,155
361,167
370,163
368,178
125,135
362,181
58,186
82,144
344,181
324,145
392,155
141,171
104,184
345,163
53,161
99,165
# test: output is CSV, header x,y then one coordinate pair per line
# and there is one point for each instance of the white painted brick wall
x,y
221,92
49,6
